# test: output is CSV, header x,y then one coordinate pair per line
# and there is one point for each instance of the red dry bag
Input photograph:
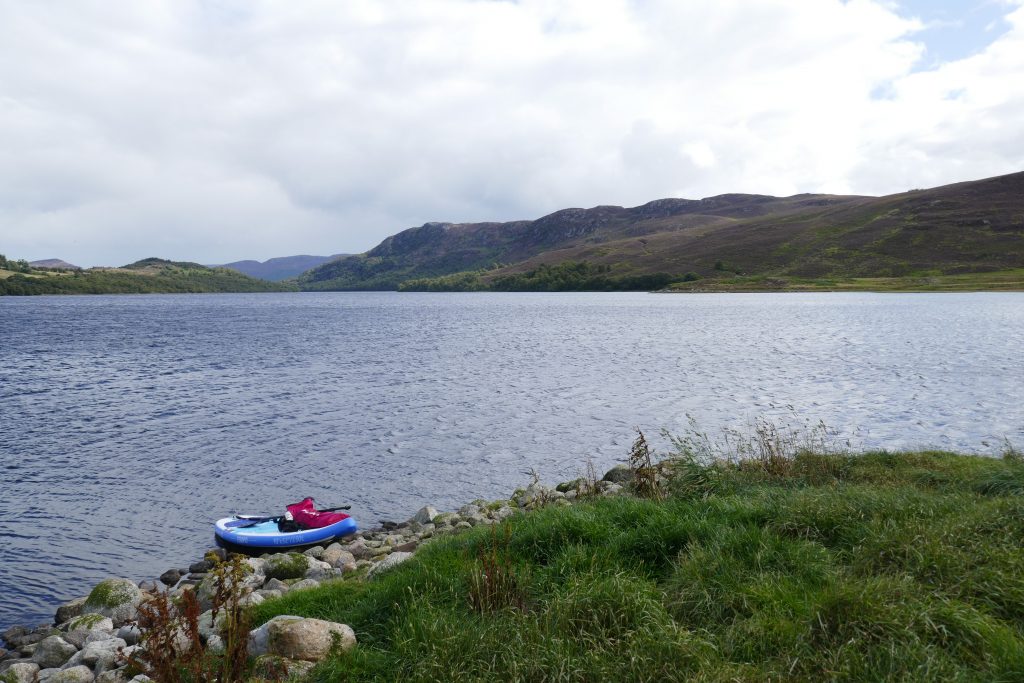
x,y
308,517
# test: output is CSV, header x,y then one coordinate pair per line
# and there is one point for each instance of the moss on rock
x,y
290,566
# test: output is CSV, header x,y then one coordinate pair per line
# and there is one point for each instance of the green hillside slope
x,y
149,276
969,227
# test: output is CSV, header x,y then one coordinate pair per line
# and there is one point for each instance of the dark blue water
x,y
129,423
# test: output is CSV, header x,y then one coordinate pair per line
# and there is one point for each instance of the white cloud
x,y
254,128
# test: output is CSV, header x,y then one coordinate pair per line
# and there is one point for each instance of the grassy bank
x,y
872,567
997,281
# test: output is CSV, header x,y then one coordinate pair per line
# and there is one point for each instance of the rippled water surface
x,y
129,423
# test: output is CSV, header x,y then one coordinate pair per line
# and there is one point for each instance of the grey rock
x,y
170,577
69,610
408,547
612,490
45,674
52,652
200,567
298,638
130,633
215,644
113,676
463,525
92,652
276,585
268,594
392,560
208,626
620,474
147,586
304,584
316,552
287,565
251,599
81,627
319,570
76,674
336,557
425,515
21,672
469,510
118,599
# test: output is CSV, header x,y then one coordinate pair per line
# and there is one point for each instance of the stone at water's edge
x,y
620,474
425,515
118,599
69,610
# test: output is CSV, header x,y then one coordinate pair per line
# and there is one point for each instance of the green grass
x,y
1004,280
872,567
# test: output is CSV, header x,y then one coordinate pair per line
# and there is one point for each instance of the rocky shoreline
x,y
92,637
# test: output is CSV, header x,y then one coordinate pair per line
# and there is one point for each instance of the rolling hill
x,y
148,276
280,268
969,227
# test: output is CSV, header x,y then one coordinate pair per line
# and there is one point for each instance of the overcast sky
x,y
218,130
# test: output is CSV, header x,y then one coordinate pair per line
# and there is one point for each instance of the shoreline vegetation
x,y
585,277
773,556
159,276
148,276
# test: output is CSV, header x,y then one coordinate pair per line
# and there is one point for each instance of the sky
x,y
221,130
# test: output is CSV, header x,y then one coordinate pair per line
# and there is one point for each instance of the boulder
x,y
118,599
316,552
287,565
425,515
76,674
276,585
320,570
69,610
52,652
620,474
298,638
113,676
105,650
392,560
21,672
254,578
130,633
304,584
170,577
81,627
335,556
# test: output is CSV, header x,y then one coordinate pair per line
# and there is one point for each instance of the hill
x,y
280,268
148,276
54,263
970,227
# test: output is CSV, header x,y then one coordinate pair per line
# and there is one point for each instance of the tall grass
x,y
784,565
